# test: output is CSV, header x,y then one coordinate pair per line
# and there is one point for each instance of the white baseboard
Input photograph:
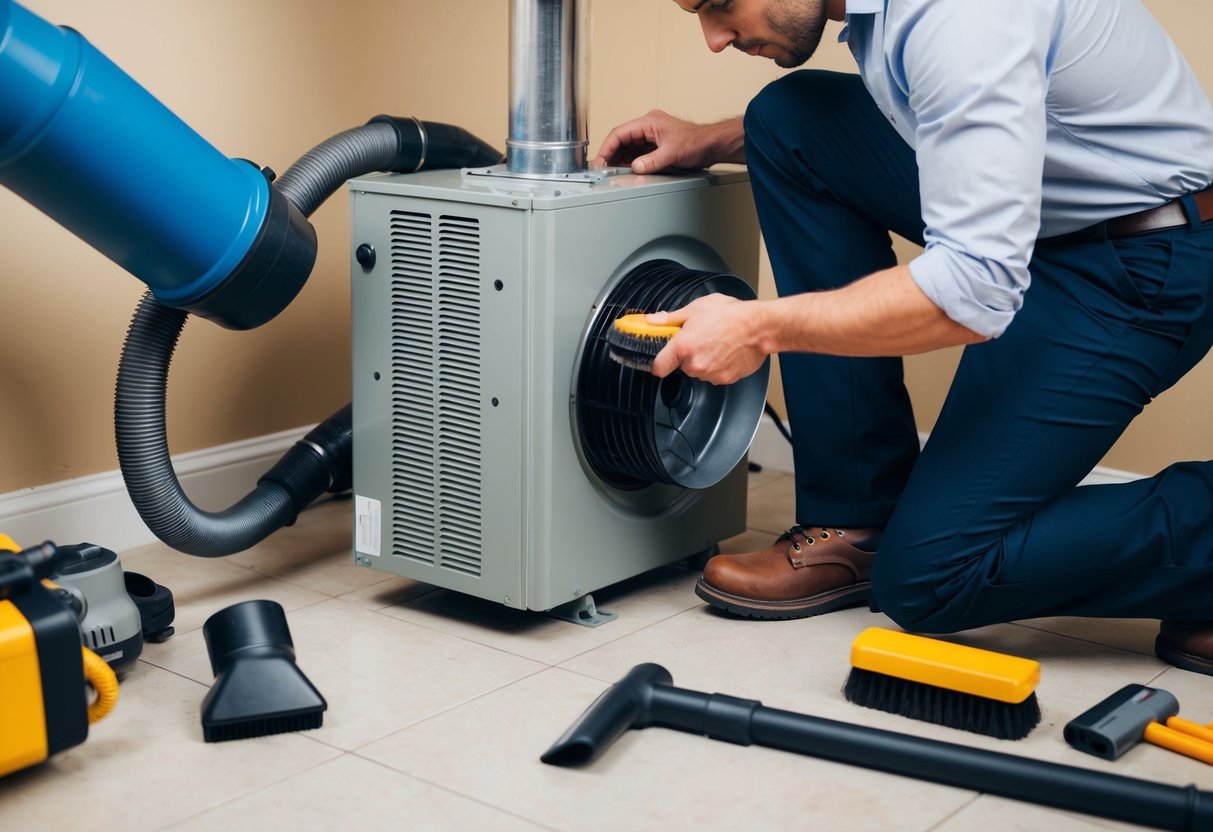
x,y
774,453
96,509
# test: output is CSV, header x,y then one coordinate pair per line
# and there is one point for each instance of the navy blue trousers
x,y
988,522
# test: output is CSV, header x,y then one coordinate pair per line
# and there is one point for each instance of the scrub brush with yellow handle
x,y
947,684
634,342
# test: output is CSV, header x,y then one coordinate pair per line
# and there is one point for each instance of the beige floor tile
x,y
787,664
316,552
996,814
377,673
146,765
203,586
352,793
651,779
637,602
1134,634
388,592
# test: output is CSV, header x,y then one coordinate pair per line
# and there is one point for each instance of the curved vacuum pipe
x,y
322,460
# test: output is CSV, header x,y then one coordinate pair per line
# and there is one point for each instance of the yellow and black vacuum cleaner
x,y
44,701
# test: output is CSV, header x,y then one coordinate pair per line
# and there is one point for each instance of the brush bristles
x,y
634,343
635,351
916,700
631,360
263,727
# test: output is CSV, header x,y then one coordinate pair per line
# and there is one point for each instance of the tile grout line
x,y
449,790
233,799
1079,639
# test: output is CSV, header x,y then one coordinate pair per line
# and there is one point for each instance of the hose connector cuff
x,y
423,145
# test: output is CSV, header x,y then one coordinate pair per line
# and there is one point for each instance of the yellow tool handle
x,y
634,323
1173,740
943,664
1185,726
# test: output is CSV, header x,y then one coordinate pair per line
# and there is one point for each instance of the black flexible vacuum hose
x,y
326,167
322,461
385,143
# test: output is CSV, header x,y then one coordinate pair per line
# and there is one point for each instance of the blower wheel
x,y
636,429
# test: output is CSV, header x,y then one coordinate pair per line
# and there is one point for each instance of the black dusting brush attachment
x,y
947,684
634,342
258,689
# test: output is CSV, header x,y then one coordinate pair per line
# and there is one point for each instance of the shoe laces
x,y
809,535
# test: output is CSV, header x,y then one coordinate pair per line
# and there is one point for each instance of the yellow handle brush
x,y
947,684
634,342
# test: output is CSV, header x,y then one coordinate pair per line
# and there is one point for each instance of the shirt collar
x,y
855,7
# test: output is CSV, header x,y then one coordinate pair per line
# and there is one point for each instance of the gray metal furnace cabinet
x,y
468,329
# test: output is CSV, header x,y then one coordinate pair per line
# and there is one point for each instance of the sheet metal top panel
x,y
539,195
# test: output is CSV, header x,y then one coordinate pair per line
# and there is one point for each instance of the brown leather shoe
x,y
808,571
1186,644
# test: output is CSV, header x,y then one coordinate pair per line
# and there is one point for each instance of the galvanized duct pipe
x,y
549,43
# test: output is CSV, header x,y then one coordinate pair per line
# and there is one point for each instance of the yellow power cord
x,y
103,679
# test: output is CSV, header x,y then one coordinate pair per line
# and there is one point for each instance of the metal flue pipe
x,y
549,43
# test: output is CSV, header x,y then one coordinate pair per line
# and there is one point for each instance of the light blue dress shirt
x,y
1029,118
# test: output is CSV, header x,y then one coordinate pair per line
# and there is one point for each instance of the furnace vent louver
x,y
436,390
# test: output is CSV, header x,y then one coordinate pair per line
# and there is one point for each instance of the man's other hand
x,y
658,141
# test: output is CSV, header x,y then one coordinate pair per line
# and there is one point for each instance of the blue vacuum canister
x,y
87,145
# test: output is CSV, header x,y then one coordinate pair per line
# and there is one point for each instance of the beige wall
x,y
267,80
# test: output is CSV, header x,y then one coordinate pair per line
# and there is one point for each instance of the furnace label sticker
x,y
366,534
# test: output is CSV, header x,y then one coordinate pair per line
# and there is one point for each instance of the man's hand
x,y
657,141
723,339
720,340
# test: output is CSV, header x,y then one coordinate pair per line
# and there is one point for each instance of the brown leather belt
x,y
1168,215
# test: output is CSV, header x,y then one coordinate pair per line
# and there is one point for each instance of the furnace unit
x,y
497,450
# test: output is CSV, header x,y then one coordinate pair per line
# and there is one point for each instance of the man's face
x,y
786,31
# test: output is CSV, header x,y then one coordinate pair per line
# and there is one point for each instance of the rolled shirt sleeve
x,y
974,76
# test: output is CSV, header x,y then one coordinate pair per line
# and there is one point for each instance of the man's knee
x,y
906,586
809,96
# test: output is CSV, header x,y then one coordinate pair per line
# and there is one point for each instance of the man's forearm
x,y
883,314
